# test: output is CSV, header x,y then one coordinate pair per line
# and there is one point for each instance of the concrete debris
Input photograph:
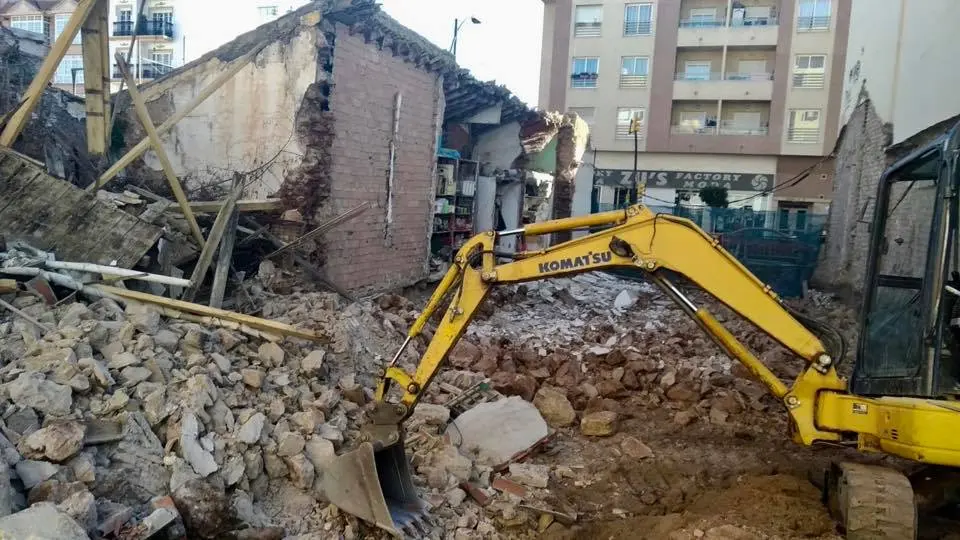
x,y
599,424
57,442
517,423
42,521
537,476
554,406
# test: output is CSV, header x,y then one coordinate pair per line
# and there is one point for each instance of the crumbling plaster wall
x,y
249,122
373,252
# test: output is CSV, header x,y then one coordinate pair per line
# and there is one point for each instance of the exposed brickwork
x,y
369,254
860,161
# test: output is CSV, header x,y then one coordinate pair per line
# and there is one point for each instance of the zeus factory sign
x,y
684,179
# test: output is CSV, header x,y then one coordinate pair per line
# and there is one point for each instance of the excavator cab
x,y
910,329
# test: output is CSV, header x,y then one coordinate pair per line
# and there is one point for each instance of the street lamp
x,y
457,25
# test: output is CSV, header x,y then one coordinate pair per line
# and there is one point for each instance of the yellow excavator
x,y
900,399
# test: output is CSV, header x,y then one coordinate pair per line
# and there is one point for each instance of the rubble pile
x,y
136,425
585,344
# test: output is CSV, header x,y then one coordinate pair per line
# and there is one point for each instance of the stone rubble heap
x,y
121,423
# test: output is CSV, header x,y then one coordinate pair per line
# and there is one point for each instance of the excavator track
x,y
872,503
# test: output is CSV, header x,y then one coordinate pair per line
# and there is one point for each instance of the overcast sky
x,y
505,46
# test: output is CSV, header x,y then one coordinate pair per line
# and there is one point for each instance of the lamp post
x,y
457,25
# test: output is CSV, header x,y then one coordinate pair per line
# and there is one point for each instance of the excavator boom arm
x,y
634,238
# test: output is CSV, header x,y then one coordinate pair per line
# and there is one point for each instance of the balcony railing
x,y
808,24
701,23
726,127
633,81
693,130
147,71
748,76
583,80
803,135
693,76
147,27
123,28
808,80
754,21
729,127
586,29
637,28
156,28
623,132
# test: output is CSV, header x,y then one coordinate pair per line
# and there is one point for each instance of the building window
x,y
634,71
638,20
809,70
31,23
753,16
696,71
584,73
814,15
625,118
65,70
268,13
701,18
60,23
804,126
587,113
587,21
611,198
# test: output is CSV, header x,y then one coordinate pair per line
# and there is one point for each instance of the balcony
x,y
123,28
813,24
732,127
726,86
740,30
146,28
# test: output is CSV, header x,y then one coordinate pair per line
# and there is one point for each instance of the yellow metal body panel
x,y
817,402
922,430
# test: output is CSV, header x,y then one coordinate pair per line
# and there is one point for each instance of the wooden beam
x,y
144,145
205,311
225,255
213,240
154,137
322,229
95,82
245,205
18,121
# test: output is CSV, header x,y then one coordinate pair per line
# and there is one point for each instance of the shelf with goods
x,y
453,219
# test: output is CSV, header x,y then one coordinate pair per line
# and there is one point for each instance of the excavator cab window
x,y
907,346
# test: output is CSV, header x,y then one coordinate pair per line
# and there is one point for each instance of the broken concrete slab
x,y
517,423
42,521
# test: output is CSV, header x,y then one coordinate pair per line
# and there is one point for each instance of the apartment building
x,y
48,18
159,47
742,94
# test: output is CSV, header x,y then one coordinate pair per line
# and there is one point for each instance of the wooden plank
x,y
32,96
225,258
54,215
144,115
206,311
245,205
182,113
94,68
322,229
216,233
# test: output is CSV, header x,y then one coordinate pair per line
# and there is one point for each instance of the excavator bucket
x,y
377,488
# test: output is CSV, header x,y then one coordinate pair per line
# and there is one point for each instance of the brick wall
x,y
860,161
368,253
